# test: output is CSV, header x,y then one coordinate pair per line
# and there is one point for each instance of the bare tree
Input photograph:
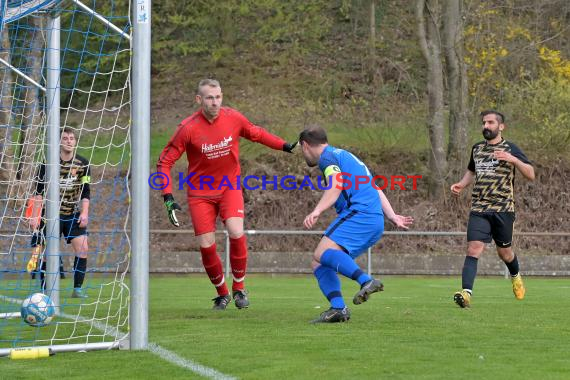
x,y
457,83
20,107
372,26
32,107
373,66
428,16
6,132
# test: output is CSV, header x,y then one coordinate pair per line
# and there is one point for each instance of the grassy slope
x,y
327,83
412,330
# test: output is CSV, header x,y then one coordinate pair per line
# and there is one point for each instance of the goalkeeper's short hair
x,y
209,83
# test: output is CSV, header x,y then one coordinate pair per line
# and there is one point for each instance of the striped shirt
x,y
74,179
494,179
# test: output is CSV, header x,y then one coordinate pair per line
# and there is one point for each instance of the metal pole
x,y
370,261
24,76
227,255
101,18
52,201
304,232
140,116
70,347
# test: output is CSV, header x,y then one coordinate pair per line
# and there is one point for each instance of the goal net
x,y
94,91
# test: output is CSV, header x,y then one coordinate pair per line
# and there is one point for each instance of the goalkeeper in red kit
x,y
210,137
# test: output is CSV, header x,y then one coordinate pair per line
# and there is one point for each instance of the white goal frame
x,y
137,337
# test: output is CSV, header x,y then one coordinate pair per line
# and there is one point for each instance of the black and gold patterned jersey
x,y
74,179
494,179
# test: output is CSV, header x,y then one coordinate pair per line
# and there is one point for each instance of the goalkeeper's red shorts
x,y
204,211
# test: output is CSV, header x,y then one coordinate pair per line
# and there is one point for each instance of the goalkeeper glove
x,y
33,263
288,147
171,207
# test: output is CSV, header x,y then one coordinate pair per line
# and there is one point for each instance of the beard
x,y
489,134
212,112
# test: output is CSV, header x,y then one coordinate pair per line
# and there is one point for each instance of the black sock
x,y
61,271
513,266
469,272
43,275
79,268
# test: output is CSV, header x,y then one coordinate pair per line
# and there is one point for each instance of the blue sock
x,y
342,263
330,286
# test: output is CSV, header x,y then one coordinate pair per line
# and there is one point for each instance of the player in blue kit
x,y
361,208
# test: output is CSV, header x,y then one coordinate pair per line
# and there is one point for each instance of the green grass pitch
x,y
412,330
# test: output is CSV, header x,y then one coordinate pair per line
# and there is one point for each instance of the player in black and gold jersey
x,y
492,168
74,179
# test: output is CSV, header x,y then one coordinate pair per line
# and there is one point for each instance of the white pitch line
x,y
174,358
153,348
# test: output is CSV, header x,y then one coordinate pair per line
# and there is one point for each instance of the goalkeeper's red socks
x,y
238,261
213,265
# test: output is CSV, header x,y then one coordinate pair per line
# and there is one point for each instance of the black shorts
x,y
68,228
483,226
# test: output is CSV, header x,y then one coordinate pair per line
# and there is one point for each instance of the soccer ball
x,y
38,310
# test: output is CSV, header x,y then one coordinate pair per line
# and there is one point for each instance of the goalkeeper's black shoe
x,y
221,302
240,299
366,290
333,316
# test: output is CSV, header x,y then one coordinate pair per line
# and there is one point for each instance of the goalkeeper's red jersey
x,y
212,150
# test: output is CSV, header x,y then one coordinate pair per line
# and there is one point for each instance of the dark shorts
x,y
484,226
68,228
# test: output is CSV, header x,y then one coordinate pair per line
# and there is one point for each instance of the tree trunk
x,y
428,17
372,41
457,82
30,128
374,72
7,143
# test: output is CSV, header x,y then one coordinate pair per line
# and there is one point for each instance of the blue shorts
x,y
356,231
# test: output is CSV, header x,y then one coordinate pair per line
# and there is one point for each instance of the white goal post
x,y
105,99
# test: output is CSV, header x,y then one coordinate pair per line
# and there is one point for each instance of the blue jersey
x,y
362,197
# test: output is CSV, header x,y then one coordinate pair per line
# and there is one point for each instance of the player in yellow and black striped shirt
x,y
74,179
492,167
